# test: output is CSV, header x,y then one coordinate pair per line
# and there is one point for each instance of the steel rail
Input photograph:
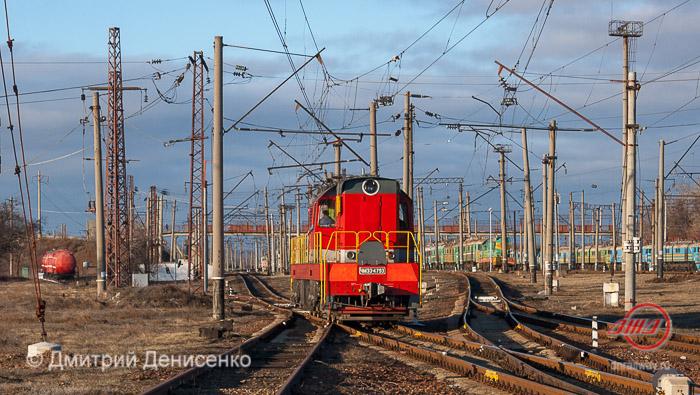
x,y
507,382
607,380
567,351
191,374
499,355
677,342
296,375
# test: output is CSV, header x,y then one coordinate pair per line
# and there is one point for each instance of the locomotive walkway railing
x,y
328,249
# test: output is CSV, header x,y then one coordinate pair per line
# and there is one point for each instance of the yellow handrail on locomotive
x,y
301,250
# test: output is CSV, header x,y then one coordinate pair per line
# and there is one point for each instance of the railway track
x,y
499,351
278,355
583,326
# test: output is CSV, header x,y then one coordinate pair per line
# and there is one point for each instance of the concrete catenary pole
x,y
469,216
38,192
436,232
543,227
614,241
173,239
659,216
549,238
283,228
640,229
407,146
561,268
529,220
460,244
583,232
160,229
504,214
421,213
99,199
373,161
572,239
298,232
630,188
337,146
267,233
597,236
218,183
12,255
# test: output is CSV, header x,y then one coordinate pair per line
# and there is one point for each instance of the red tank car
x,y
359,259
58,264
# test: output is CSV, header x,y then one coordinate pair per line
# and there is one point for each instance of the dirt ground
x,y
161,318
581,294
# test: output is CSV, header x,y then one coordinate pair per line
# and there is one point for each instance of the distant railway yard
x,y
479,333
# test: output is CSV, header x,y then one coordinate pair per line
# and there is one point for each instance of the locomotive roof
x,y
354,185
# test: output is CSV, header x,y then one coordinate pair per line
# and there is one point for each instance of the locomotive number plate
x,y
373,270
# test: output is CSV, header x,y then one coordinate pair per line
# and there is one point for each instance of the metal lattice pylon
x,y
117,219
196,225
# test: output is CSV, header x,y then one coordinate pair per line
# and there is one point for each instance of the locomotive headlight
x,y
391,255
370,187
351,255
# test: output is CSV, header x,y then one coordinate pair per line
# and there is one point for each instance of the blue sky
x,y
60,45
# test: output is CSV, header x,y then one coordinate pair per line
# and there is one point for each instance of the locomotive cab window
x,y
403,216
326,213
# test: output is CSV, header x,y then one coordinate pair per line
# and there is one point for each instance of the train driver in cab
x,y
325,221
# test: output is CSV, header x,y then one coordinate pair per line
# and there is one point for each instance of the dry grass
x,y
161,318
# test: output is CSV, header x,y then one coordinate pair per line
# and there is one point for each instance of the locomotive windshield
x,y
326,213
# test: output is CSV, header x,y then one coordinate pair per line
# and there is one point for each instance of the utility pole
x,y
597,234
543,230
469,217
218,184
39,178
268,232
99,199
630,291
436,231
572,241
298,232
561,270
283,229
460,245
529,214
173,239
640,264
12,228
502,149
614,237
373,163
160,229
583,233
337,146
659,215
407,146
421,216
549,256
626,30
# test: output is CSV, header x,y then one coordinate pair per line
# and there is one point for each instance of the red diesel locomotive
x,y
359,259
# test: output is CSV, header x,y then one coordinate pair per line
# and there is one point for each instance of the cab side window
x,y
326,213
403,216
